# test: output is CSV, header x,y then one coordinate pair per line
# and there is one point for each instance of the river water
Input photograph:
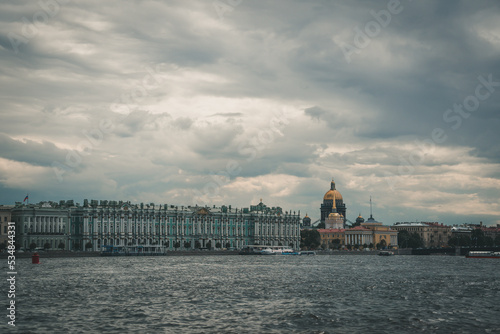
x,y
256,294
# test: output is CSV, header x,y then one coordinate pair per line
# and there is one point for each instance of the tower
x,y
327,205
334,219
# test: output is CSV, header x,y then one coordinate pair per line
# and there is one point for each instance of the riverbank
x,y
58,253
53,254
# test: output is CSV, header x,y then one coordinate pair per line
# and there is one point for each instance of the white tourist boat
x,y
267,250
483,255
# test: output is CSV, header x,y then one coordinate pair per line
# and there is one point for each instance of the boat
x,y
483,255
386,253
307,253
267,250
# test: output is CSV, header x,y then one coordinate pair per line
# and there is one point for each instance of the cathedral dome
x,y
332,192
334,215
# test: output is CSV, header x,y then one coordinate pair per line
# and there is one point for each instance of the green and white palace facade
x,y
96,224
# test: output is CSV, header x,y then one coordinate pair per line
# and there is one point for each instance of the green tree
x,y
321,225
404,239
309,239
46,246
228,244
415,241
187,244
61,245
88,245
218,245
209,245
32,246
197,244
459,241
477,237
496,241
177,245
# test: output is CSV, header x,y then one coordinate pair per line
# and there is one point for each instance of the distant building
x,y
332,238
432,234
94,225
328,205
360,220
306,221
334,219
372,232
41,224
5,218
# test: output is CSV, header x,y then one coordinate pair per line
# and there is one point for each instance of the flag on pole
x,y
25,199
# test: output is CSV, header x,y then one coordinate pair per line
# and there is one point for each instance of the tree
x,y
187,244
32,246
497,240
76,245
309,239
477,237
218,245
228,245
371,245
209,245
197,244
403,239
61,245
88,245
459,241
335,244
321,225
177,245
46,246
365,246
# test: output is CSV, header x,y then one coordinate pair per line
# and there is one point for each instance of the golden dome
x,y
333,215
332,193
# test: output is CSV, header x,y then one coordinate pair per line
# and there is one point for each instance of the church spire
x,y
371,215
332,185
334,206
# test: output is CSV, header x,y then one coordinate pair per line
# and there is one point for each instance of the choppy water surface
x,y
252,294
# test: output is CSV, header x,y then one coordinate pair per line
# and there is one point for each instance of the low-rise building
x,y
432,234
331,237
372,232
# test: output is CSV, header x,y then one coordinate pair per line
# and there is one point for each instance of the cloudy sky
x,y
229,101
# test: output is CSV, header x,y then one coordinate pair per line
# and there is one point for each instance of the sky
x,y
228,102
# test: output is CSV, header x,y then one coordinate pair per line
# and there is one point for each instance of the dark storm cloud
x,y
31,152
